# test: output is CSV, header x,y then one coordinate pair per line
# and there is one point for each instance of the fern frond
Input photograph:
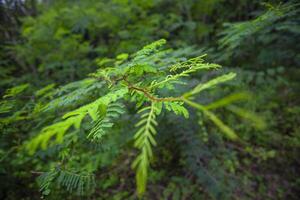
x,y
203,86
256,120
223,127
73,118
12,92
83,183
75,85
6,106
177,108
228,100
46,179
74,96
187,67
105,120
144,140
190,63
236,33
149,49
45,91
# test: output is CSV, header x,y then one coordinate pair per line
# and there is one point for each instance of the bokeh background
x,y
50,43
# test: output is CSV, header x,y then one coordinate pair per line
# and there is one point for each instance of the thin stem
x,y
153,98
149,95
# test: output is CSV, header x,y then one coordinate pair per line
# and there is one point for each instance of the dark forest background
x,y
50,43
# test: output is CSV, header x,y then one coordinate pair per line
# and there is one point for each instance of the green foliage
x,y
237,32
124,81
12,92
5,106
98,115
104,120
177,108
82,183
264,36
211,83
144,140
74,118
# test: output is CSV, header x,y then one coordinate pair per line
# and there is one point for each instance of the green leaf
x,y
144,141
216,81
12,92
223,127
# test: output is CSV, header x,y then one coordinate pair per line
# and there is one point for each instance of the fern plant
x,y
262,37
82,183
145,79
144,140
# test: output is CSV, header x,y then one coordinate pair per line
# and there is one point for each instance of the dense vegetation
x,y
149,99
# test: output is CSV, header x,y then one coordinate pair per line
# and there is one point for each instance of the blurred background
x,y
44,42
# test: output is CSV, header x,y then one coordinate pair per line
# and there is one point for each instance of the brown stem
x,y
147,93
153,98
